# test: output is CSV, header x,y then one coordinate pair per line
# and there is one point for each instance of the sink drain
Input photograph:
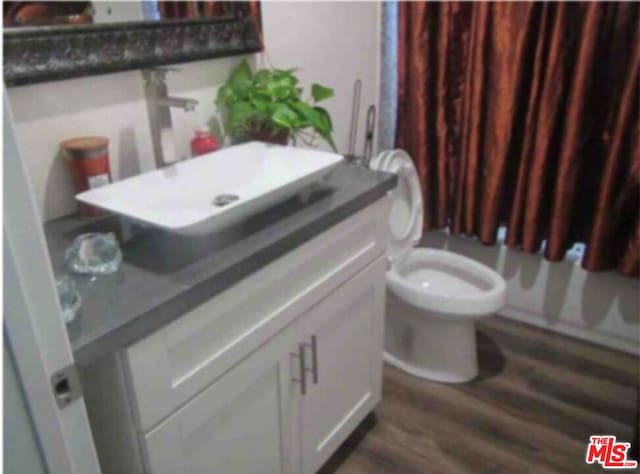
x,y
223,199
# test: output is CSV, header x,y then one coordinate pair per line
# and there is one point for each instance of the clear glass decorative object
x,y
69,297
94,254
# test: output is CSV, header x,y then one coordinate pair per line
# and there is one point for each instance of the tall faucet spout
x,y
187,104
159,105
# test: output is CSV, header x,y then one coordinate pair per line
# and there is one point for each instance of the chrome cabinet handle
x,y
314,358
302,359
303,368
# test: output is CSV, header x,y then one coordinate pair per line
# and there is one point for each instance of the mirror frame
x,y
33,55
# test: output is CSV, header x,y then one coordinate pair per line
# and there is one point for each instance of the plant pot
x,y
281,138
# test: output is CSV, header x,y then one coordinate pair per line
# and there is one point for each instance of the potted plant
x,y
268,106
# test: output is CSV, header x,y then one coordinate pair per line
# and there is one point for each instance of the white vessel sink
x,y
212,191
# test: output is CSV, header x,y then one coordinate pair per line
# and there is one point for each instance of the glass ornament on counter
x,y
69,297
94,254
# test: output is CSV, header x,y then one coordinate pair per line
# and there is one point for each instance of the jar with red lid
x,y
87,159
203,142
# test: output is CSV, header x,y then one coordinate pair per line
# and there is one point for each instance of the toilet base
x,y
431,346
426,373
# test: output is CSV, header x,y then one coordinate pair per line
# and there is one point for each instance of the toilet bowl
x,y
434,297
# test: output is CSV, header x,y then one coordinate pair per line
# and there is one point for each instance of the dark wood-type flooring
x,y
538,398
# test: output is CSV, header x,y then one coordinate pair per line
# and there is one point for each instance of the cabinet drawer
x,y
240,424
175,363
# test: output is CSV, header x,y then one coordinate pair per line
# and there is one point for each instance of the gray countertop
x,y
164,275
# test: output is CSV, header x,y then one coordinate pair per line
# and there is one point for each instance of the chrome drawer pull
x,y
303,368
314,358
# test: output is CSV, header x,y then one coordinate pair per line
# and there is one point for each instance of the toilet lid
x,y
406,215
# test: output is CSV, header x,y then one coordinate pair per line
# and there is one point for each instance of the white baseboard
x,y
568,329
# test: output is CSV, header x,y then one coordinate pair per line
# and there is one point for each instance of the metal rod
x,y
355,111
314,358
368,134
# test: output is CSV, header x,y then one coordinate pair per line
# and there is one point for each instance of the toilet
x,y
434,297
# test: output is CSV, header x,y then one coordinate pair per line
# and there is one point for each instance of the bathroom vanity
x,y
257,350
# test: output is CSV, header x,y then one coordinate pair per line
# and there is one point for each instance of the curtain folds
x,y
526,115
191,9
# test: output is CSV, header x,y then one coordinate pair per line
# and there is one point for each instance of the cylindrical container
x,y
203,142
88,161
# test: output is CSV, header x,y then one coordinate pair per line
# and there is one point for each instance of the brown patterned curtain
x,y
174,10
183,9
526,115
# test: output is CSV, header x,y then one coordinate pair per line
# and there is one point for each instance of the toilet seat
x,y
406,214
435,280
446,283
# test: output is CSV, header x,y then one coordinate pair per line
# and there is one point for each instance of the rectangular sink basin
x,y
210,192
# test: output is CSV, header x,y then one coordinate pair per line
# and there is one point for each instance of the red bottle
x,y
203,142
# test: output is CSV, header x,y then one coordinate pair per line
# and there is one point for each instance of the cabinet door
x,y
348,330
244,423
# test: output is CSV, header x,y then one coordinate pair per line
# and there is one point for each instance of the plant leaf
x,y
262,78
279,90
286,71
285,117
240,81
241,73
262,105
225,95
324,127
239,116
308,113
324,120
319,92
285,77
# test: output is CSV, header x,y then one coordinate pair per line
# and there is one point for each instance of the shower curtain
x,y
525,115
190,9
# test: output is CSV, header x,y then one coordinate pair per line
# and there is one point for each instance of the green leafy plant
x,y
271,101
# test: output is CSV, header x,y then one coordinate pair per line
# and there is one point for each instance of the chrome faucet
x,y
158,106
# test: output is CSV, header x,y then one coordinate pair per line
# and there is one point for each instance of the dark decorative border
x,y
61,52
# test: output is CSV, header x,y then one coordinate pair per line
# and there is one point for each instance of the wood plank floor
x,y
538,398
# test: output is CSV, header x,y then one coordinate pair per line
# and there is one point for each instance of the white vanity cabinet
x,y
240,424
269,376
256,419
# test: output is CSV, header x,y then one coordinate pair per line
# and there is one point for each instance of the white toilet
x,y
434,297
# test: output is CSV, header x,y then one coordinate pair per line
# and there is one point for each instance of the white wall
x,y
331,43
20,441
601,307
